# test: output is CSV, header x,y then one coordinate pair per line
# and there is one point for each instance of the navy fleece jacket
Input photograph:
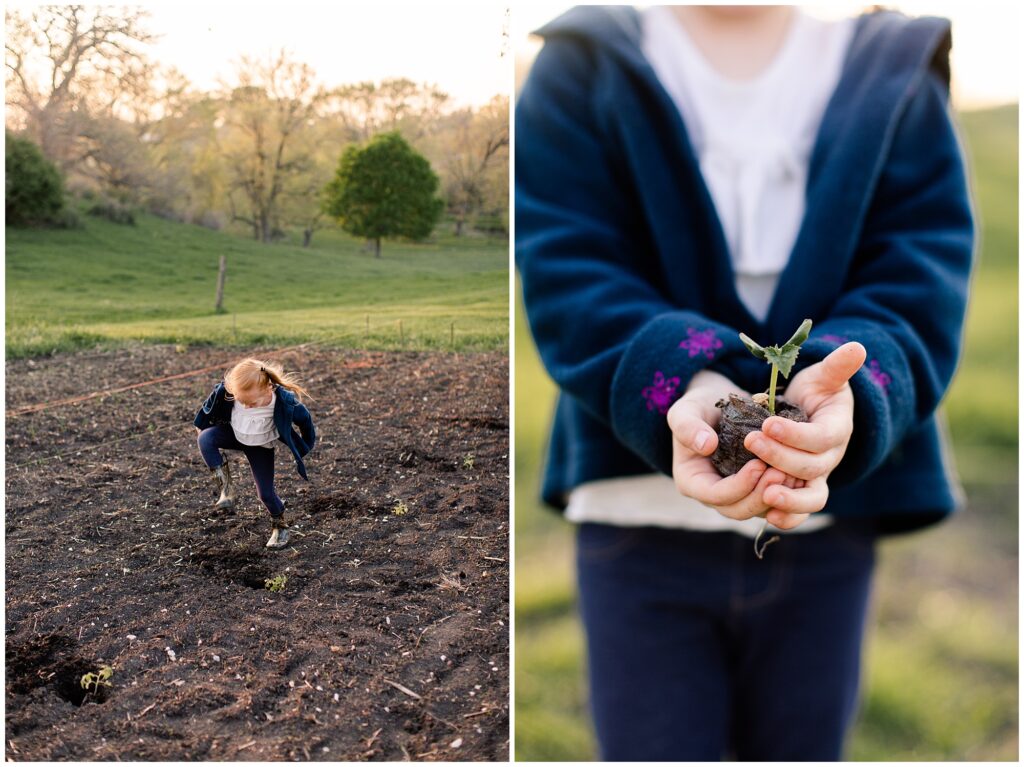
x,y
287,411
629,288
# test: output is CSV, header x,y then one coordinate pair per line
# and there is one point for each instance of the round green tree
x,y
34,189
384,189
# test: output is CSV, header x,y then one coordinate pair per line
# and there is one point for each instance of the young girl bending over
x,y
254,407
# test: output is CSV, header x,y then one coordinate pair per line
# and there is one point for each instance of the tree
x,y
274,102
479,144
64,59
384,189
397,104
34,188
303,204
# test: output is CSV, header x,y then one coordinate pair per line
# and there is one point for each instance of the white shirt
x,y
255,425
753,140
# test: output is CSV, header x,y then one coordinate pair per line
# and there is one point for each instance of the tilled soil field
x,y
389,639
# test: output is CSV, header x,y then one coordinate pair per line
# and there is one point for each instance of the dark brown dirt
x,y
390,638
740,416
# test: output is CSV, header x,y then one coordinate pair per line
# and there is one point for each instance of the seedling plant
x,y
276,584
741,416
781,358
92,681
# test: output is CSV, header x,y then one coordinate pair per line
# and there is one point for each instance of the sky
x,y
985,59
458,46
455,46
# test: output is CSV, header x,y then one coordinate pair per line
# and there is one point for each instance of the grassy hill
x,y
941,665
156,281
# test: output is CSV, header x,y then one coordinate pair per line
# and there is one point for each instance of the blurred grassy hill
x,y
155,281
941,678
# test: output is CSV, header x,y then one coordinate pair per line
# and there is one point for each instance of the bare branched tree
x,y
273,103
61,61
479,142
397,104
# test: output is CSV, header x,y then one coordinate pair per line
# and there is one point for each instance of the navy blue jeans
x,y
261,461
698,651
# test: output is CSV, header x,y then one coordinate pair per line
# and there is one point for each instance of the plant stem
x,y
771,390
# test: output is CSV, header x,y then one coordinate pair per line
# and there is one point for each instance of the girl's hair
x,y
252,373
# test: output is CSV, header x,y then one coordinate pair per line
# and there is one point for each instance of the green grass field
x,y
110,283
940,681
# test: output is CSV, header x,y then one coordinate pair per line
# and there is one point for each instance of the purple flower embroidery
x,y
835,339
878,375
701,342
661,394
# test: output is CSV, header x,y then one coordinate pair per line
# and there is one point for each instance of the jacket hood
x,y
894,43
285,396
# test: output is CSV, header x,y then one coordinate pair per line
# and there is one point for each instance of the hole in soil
x,y
233,566
406,587
483,422
253,581
29,664
342,504
410,457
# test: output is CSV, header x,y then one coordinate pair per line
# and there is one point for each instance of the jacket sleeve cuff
x,y
883,393
654,372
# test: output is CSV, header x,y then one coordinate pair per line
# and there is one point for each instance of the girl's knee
x,y
272,503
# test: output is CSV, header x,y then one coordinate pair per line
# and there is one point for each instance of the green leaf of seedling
x,y
800,335
782,358
755,348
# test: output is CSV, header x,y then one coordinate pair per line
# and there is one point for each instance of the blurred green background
x,y
940,680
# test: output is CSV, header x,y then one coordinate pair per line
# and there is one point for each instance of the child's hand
x,y
810,451
692,420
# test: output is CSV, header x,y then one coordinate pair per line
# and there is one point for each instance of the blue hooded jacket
x,y
629,288
287,411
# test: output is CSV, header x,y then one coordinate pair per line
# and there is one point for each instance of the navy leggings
x,y
698,651
261,461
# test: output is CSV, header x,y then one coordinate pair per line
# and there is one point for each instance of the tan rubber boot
x,y
222,477
278,534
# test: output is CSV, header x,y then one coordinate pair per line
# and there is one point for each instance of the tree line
x,y
261,151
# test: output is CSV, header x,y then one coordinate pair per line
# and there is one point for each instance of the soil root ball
x,y
740,416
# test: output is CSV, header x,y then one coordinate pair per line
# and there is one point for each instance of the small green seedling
x,y
468,460
781,358
275,584
400,508
97,680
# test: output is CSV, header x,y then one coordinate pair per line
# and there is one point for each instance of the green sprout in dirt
x,y
781,358
275,584
400,508
97,680
468,460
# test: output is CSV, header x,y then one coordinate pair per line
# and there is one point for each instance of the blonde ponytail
x,y
253,373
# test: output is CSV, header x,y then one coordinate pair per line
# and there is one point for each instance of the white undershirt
x,y
255,425
753,140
